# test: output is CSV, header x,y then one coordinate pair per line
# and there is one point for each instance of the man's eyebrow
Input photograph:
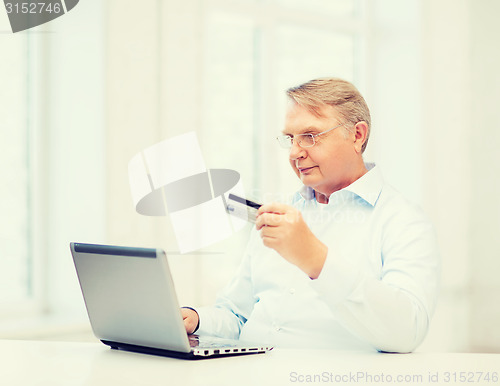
x,y
312,129
309,129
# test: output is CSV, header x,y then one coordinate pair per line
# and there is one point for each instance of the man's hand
x,y
190,318
283,229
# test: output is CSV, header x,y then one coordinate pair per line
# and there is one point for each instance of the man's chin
x,y
309,181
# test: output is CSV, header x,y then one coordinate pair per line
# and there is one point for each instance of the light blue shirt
x,y
376,291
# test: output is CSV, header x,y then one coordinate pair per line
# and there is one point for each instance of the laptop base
x,y
169,353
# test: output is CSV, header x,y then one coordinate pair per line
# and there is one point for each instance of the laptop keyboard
x,y
195,341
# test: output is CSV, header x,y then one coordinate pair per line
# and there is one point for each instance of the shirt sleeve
x,y
391,312
234,303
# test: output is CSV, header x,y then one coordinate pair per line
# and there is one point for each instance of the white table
x,y
64,363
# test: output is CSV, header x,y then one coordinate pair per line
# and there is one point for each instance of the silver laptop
x,y
132,305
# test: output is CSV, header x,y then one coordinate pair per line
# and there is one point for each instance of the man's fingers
x,y
274,207
270,232
268,219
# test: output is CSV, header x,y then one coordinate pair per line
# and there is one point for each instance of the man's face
x,y
333,162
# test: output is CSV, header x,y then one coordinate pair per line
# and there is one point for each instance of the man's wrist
x,y
316,261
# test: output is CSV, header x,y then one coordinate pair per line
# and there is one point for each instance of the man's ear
x,y
360,135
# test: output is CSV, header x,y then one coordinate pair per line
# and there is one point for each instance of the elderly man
x,y
350,264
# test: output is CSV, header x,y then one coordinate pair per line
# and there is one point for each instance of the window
x,y
50,118
16,274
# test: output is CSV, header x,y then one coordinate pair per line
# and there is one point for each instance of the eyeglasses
x,y
303,140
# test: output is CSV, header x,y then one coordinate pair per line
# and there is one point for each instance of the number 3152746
x,y
33,8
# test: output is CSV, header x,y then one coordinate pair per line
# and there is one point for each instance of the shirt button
x,y
278,328
292,290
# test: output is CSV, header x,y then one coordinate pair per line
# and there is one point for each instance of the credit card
x,y
242,208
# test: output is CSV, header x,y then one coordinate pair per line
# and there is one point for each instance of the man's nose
x,y
296,151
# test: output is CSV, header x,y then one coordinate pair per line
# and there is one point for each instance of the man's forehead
x,y
299,118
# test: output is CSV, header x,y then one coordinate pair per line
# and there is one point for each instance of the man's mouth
x,y
305,170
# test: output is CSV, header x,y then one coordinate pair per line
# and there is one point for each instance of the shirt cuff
x,y
337,279
205,324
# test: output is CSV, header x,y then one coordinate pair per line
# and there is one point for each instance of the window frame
x,y
32,302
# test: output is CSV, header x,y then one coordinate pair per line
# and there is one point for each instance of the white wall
x,y
484,207
446,119
460,83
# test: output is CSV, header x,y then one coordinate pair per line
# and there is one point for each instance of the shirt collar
x,y
368,186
